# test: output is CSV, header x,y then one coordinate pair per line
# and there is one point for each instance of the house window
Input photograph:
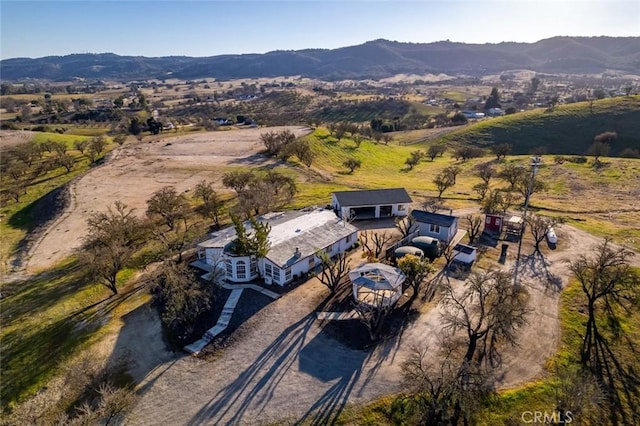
x,y
434,228
254,267
287,274
228,268
312,262
348,239
268,271
401,207
276,274
241,269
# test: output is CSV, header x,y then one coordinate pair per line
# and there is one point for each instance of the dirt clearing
x,y
136,170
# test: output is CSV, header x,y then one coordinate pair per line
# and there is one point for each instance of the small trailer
x,y
515,226
464,255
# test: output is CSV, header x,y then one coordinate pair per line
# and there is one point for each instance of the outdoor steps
x,y
336,315
221,325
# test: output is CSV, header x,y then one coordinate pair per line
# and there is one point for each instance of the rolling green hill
x,y
568,129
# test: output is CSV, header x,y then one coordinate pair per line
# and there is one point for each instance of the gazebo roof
x,y
377,276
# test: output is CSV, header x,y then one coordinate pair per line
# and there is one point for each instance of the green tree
x,y
253,242
493,101
416,269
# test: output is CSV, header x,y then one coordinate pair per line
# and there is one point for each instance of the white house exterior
x,y
295,238
435,225
371,203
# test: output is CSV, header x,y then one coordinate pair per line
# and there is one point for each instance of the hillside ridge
x,y
373,59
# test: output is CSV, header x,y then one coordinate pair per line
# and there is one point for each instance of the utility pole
x,y
535,163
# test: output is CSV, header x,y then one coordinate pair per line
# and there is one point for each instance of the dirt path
x,y
284,366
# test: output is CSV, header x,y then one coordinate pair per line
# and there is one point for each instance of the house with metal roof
x,y
295,238
435,225
371,203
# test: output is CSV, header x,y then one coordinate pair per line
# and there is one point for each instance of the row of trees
x,y
23,164
285,145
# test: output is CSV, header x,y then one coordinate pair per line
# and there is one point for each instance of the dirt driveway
x,y
286,366
136,170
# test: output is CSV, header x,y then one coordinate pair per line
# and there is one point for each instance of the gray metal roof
x,y
305,235
305,230
377,276
434,218
370,197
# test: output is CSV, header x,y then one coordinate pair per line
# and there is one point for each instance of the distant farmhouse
x,y
295,238
371,203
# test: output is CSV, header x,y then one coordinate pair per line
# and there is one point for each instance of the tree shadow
x,y
257,159
256,385
619,380
537,266
345,366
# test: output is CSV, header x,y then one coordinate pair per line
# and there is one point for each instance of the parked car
x,y
552,238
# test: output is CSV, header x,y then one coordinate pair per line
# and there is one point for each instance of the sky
x,y
209,27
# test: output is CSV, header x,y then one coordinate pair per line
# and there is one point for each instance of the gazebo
x,y
376,283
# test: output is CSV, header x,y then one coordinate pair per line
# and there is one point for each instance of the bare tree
x,y
501,150
66,161
442,390
474,226
374,242
212,204
511,173
167,205
372,313
433,204
81,145
414,159
607,282
120,139
485,171
181,296
452,173
443,182
238,180
481,189
598,149
352,164
406,225
539,226
436,149
112,238
489,311
332,270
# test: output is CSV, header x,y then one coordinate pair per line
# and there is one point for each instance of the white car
x,y
552,238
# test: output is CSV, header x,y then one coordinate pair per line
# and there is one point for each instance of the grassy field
x,y
600,200
49,318
568,129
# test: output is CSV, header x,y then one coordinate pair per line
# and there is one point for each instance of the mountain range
x,y
374,59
